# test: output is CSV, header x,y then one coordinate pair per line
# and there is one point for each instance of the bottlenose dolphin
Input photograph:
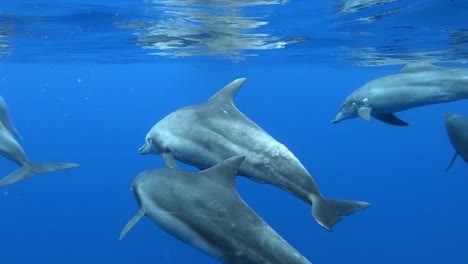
x,y
10,149
205,211
5,118
457,131
417,84
205,134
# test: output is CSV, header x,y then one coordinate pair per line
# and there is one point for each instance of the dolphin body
x,y
205,211
417,84
10,149
457,131
205,134
5,119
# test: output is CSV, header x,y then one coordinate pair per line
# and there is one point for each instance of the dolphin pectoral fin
x,y
390,119
328,212
365,113
169,160
131,223
452,161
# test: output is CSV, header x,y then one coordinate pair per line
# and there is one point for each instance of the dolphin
x,y
205,134
10,149
205,211
417,84
457,131
5,119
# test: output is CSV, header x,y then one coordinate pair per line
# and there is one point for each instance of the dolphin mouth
x,y
142,149
145,148
338,118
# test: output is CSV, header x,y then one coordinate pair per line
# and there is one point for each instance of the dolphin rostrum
x,y
205,134
417,84
205,211
457,131
10,149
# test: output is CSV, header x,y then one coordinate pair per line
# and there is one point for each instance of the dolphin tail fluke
x,y
29,169
328,212
131,223
18,175
41,168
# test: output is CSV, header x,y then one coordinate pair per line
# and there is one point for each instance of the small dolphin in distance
x,y
417,84
10,149
457,130
205,134
205,211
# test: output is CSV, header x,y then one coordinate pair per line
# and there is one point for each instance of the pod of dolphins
x,y
204,209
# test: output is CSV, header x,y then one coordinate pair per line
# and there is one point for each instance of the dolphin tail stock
x,y
137,217
328,212
29,169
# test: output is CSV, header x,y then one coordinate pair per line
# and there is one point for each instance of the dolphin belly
x,y
170,223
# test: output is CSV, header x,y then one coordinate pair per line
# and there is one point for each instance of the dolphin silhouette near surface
x,y
205,134
205,211
417,84
11,149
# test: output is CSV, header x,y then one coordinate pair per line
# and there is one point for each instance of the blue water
x,y
85,82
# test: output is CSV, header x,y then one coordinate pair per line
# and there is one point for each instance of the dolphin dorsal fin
x,y
417,66
224,172
226,95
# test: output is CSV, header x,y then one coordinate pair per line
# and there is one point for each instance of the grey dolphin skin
x,y
5,119
417,84
205,211
205,134
457,131
10,149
